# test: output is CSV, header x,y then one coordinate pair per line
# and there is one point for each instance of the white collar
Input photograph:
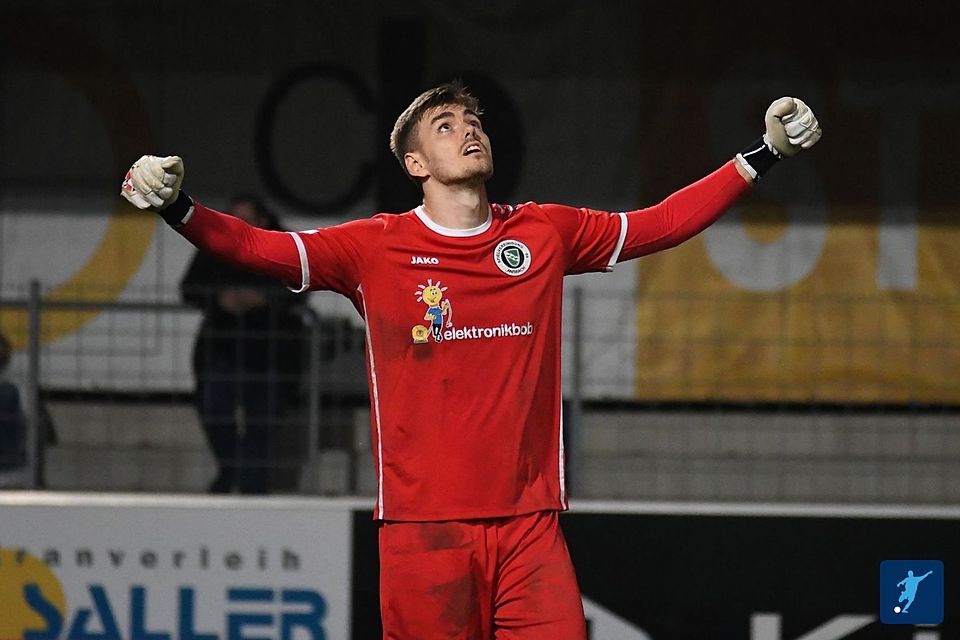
x,y
454,233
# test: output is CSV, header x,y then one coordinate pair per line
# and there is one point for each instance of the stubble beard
x,y
472,175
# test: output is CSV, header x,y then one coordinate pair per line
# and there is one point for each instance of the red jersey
x,y
464,334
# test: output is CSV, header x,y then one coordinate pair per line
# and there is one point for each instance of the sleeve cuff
x,y
178,213
758,158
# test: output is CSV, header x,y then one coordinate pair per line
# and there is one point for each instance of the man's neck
x,y
457,207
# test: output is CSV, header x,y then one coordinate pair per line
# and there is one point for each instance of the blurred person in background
x,y
13,422
246,359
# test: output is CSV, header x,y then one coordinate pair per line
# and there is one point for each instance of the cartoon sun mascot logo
x,y
438,309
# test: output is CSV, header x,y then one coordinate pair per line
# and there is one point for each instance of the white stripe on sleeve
x,y
304,264
620,241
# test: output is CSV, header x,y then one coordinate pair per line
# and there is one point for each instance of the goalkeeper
x,y
466,426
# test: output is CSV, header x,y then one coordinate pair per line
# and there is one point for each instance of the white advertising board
x,y
173,568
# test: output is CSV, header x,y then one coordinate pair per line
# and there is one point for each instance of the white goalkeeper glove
x,y
153,182
791,126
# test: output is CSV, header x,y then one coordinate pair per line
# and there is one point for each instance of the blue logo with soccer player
x,y
911,592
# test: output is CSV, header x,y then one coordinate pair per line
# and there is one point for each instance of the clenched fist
x,y
791,126
153,182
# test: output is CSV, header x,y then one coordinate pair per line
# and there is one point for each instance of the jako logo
x,y
424,260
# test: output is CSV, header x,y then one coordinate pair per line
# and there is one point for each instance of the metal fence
x,y
126,382
113,406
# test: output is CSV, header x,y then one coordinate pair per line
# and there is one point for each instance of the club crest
x,y
512,257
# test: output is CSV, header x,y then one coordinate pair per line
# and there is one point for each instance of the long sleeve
x,y
270,253
683,214
331,258
597,240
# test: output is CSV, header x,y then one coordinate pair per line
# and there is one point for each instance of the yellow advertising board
x,y
837,331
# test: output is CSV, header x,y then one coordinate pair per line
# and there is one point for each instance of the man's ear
x,y
413,161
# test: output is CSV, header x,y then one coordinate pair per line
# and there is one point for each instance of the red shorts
x,y
504,578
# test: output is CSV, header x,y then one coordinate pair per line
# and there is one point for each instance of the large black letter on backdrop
x,y
263,141
401,64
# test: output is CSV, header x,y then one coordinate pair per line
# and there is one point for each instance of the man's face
x,y
452,147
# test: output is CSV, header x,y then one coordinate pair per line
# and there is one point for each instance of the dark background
x,y
693,577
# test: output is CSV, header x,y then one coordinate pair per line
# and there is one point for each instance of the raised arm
x,y
331,258
271,253
597,240
683,214
790,127
154,183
